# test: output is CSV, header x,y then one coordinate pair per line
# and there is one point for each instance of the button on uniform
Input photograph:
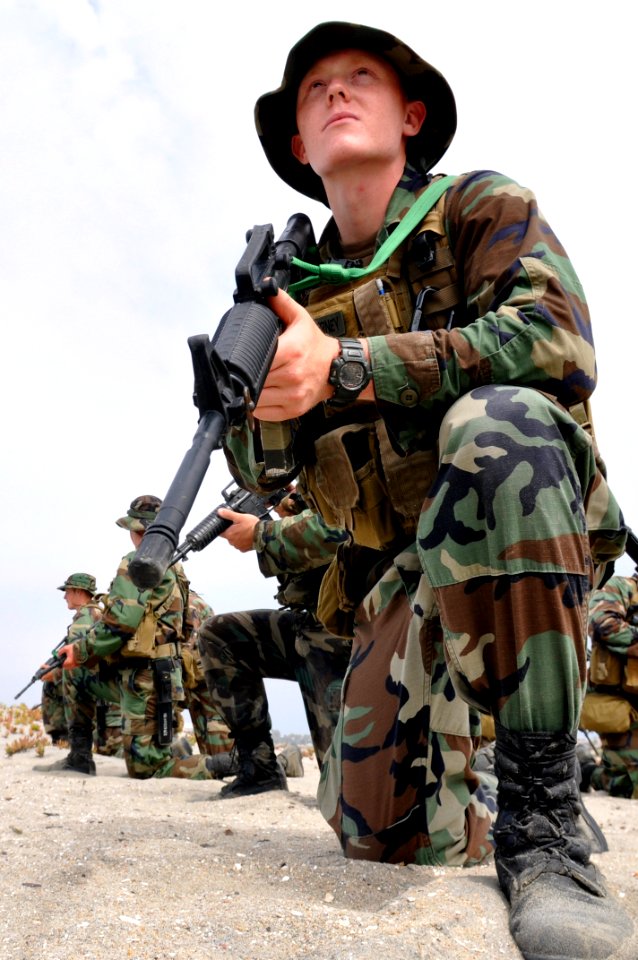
x,y
409,397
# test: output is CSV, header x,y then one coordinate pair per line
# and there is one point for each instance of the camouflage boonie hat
x,y
140,514
275,112
79,581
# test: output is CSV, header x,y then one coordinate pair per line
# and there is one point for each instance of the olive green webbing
x,y
336,273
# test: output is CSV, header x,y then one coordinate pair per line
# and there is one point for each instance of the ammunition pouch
x,y
192,673
142,643
609,669
605,667
351,575
359,482
607,713
162,669
630,677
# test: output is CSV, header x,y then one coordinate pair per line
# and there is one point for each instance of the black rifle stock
x,y
229,373
208,529
54,661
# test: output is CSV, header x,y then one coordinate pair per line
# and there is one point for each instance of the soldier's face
x,y
351,109
75,598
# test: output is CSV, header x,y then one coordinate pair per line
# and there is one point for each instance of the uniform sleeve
x,y
124,609
609,610
527,321
296,544
82,622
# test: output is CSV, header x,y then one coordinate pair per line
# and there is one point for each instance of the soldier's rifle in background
x,y
55,660
208,529
230,371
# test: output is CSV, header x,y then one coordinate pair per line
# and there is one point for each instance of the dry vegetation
x,y
22,728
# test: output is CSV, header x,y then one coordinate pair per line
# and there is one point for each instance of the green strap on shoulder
x,y
336,273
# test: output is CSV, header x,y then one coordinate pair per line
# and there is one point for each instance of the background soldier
x,y
79,591
611,704
240,649
80,595
138,638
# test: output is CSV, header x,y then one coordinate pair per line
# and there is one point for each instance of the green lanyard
x,y
336,273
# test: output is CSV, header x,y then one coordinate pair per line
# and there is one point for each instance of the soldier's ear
x,y
298,149
415,114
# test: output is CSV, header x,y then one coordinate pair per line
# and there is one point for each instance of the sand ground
x,y
108,867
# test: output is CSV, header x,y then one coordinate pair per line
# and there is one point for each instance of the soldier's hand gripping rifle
x,y
229,374
54,661
241,501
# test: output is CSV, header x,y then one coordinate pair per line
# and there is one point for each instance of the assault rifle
x,y
55,660
229,375
208,529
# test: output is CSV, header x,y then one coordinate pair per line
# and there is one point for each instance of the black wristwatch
x,y
350,373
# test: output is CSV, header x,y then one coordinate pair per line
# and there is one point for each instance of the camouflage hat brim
x,y
141,513
275,112
132,523
79,581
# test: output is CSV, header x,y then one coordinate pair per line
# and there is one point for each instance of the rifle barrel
x,y
153,557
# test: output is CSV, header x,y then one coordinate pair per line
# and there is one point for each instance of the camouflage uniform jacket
x,y
83,620
125,606
198,611
522,318
297,551
609,613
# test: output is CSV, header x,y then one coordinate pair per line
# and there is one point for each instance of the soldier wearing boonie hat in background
x,y
444,348
79,593
138,643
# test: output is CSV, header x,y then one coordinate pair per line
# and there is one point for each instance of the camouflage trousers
x,y
239,650
211,732
132,688
486,611
52,706
107,730
618,773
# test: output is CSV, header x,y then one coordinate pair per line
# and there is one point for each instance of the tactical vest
x,y
144,642
356,479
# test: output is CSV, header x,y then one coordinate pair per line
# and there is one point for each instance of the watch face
x,y
352,375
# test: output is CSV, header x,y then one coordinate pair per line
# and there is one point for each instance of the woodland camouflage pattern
x,y
53,716
240,649
210,731
609,626
515,516
80,581
107,734
123,612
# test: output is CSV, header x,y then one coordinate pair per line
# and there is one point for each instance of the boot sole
x,y
250,791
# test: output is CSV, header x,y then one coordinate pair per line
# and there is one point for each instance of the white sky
x,y
129,173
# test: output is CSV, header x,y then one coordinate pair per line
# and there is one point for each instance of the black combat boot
x,y
559,907
223,764
258,767
78,760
